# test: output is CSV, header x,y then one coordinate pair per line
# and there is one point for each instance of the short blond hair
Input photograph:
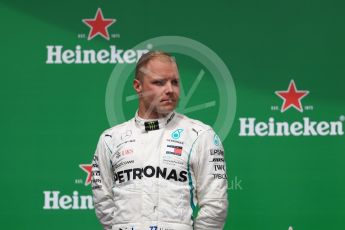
x,y
145,58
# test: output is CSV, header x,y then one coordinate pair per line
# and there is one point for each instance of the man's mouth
x,y
167,100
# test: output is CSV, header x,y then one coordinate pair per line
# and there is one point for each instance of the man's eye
x,y
158,82
175,82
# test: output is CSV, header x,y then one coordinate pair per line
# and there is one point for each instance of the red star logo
x,y
88,170
292,97
99,25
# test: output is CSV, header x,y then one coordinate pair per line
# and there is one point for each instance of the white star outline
x,y
98,33
292,83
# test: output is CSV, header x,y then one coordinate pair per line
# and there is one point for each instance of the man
x,y
150,172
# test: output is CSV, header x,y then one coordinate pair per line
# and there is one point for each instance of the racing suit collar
x,y
153,124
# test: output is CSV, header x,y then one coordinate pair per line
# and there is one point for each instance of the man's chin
x,y
166,110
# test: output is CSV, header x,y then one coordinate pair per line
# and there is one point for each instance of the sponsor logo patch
x,y
174,149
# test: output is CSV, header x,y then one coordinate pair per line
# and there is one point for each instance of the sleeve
x,y
211,182
102,182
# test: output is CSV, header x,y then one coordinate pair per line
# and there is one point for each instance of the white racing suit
x,y
151,175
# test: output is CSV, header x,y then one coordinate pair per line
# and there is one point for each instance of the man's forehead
x,y
158,69
163,58
161,61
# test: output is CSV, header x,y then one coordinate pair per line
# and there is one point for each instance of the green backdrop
x,y
52,114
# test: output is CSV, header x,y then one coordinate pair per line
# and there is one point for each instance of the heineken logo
x,y
292,97
98,27
305,126
88,169
58,54
56,200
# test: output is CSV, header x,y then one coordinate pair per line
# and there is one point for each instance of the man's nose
x,y
168,87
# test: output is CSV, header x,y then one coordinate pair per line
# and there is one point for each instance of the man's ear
x,y
137,86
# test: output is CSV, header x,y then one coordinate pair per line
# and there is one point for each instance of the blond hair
x,y
145,58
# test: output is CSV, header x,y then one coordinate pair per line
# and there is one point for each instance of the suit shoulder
x,y
112,132
193,123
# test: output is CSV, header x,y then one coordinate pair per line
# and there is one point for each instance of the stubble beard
x,y
153,109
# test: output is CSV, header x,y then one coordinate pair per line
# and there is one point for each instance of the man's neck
x,y
151,115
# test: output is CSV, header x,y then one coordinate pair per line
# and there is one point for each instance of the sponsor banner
x,y
292,99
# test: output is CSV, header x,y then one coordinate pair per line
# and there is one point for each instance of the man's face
x,y
159,88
